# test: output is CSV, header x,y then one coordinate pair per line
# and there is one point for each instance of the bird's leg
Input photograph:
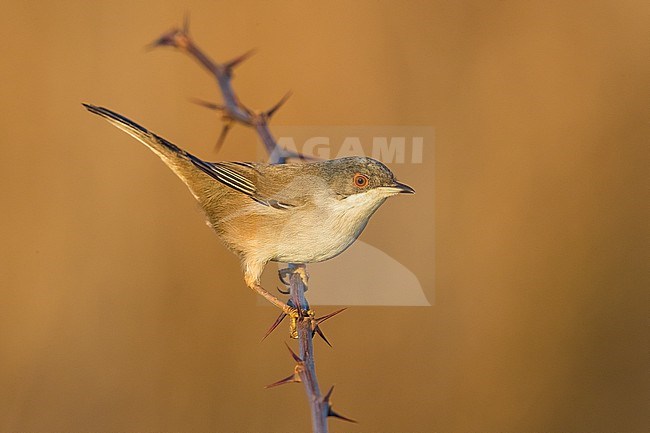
x,y
252,273
293,307
290,311
294,313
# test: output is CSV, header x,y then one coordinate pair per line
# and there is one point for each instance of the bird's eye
x,y
360,180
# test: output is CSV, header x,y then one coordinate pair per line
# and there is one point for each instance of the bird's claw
x,y
283,274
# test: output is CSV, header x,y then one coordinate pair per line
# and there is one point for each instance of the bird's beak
x,y
403,188
397,188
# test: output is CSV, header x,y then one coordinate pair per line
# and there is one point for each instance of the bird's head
x,y
354,176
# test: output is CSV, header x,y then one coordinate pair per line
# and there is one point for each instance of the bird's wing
x,y
239,176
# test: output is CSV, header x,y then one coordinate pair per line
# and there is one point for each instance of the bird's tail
x,y
159,145
181,162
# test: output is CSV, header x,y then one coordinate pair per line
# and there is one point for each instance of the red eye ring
x,y
361,180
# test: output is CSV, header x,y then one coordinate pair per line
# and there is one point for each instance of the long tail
x,y
159,145
188,167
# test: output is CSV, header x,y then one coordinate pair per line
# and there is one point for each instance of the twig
x,y
232,108
306,368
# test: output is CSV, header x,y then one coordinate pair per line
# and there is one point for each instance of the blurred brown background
x,y
120,311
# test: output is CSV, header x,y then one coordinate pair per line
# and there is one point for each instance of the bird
x,y
294,213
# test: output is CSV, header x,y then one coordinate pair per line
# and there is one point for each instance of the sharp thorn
x,y
327,397
161,41
186,23
329,316
167,39
151,45
206,104
318,331
293,354
279,104
275,325
330,412
222,135
228,66
289,379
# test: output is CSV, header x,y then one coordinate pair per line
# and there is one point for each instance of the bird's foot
x,y
283,274
296,317
308,315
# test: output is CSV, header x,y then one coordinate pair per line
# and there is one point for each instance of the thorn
x,y
161,41
222,135
186,23
318,331
326,399
176,38
329,316
208,105
290,379
226,127
167,39
279,104
228,66
275,325
330,412
293,354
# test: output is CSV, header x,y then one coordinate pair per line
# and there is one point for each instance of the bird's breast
x,y
324,230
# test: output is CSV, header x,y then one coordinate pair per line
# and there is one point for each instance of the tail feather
x,y
190,169
197,174
151,140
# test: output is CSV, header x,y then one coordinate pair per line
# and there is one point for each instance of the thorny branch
x,y
306,325
233,110
321,407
